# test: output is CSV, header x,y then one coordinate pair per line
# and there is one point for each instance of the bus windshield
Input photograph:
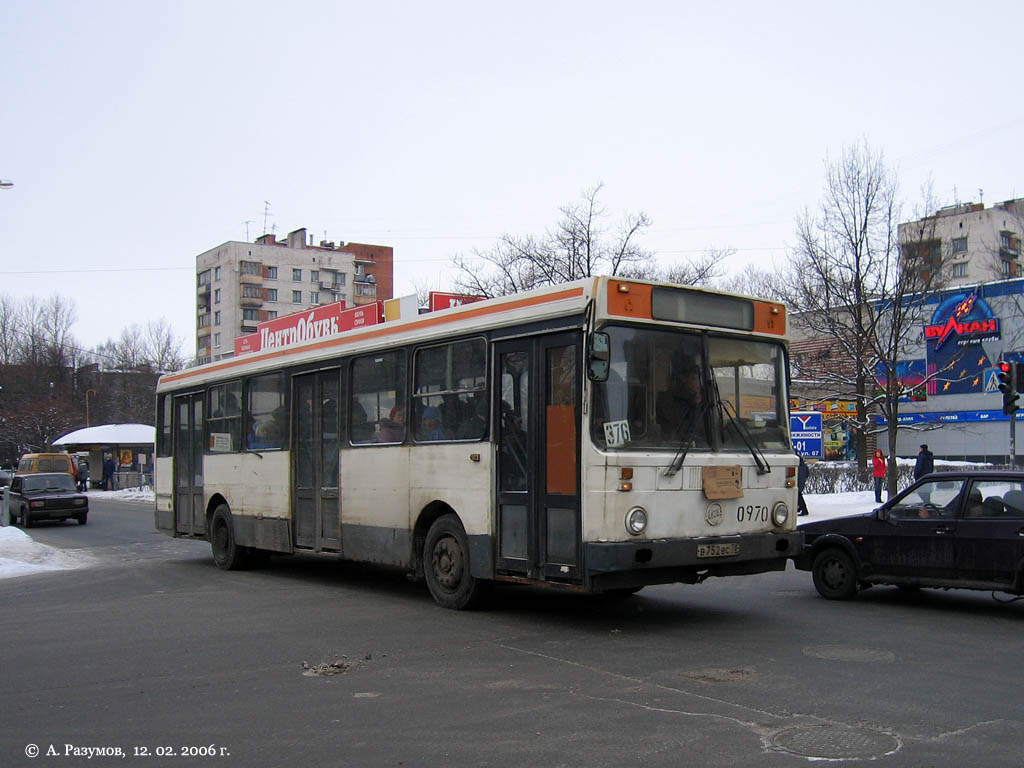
x,y
674,389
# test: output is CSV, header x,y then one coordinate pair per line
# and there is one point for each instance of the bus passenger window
x,y
378,388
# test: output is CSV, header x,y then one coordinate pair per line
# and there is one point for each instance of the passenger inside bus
x,y
473,424
430,426
392,429
678,407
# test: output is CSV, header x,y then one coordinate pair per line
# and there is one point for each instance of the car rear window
x,y
44,482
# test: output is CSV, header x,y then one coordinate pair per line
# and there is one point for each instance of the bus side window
x,y
378,387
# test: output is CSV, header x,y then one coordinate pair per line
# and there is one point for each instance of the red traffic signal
x,y
1008,386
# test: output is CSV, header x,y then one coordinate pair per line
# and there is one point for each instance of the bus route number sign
x,y
616,433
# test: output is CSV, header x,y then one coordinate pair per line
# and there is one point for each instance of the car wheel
x,y
82,519
226,553
26,518
446,566
835,576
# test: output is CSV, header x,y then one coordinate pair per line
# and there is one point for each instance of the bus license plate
x,y
717,550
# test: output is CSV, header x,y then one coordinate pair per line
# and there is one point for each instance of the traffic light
x,y
1008,386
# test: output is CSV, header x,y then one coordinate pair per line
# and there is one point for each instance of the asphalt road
x,y
313,662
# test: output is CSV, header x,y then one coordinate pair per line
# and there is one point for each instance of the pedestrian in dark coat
x,y
802,471
925,463
108,474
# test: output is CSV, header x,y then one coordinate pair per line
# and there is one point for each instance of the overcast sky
x,y
140,134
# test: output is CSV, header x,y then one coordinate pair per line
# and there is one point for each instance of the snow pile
x,y
20,555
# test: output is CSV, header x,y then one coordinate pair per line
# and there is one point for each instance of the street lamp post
x,y
87,393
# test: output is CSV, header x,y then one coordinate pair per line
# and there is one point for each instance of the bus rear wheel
x,y
226,552
446,566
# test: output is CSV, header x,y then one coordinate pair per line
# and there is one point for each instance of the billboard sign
x,y
308,325
805,428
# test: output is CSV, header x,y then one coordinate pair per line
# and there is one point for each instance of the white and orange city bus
x,y
600,435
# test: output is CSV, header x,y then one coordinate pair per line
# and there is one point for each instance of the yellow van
x,y
32,463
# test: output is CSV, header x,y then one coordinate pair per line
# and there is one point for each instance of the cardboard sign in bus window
x,y
723,482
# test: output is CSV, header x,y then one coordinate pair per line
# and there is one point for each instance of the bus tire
x,y
26,518
446,566
835,575
226,553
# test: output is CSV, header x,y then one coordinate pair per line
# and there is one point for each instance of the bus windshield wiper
x,y
689,439
763,467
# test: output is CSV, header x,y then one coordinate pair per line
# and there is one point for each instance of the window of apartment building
x,y
204,320
959,245
272,314
216,340
252,291
314,275
314,297
203,278
271,273
296,275
252,268
250,315
366,289
959,270
296,297
339,278
216,273
216,318
1007,268
216,295
271,294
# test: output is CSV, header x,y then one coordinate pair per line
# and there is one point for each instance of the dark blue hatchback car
x,y
952,530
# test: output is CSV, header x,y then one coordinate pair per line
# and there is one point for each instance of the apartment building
x,y
240,284
970,243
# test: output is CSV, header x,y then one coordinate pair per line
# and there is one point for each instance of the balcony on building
x,y
251,301
1009,245
250,272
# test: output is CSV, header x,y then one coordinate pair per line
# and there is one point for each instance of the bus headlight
x,y
636,520
780,514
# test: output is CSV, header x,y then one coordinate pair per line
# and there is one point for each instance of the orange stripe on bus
x,y
384,329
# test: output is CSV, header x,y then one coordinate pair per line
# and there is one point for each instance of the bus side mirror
x,y
598,357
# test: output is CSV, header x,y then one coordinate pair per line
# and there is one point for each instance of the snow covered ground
x,y
20,555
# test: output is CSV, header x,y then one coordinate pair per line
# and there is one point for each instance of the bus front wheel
x,y
226,553
446,566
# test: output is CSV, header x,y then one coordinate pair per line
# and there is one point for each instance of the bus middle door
x,y
538,424
316,503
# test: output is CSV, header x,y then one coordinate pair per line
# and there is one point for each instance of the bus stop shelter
x,y
131,446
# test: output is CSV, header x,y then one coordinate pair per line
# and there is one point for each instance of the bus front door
x,y
189,513
538,424
315,501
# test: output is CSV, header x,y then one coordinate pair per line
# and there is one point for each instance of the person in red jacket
x,y
878,470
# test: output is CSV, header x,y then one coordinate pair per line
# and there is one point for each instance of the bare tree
x,y
578,246
754,281
125,353
849,283
162,348
57,315
10,329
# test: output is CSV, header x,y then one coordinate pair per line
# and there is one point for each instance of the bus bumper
x,y
612,565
